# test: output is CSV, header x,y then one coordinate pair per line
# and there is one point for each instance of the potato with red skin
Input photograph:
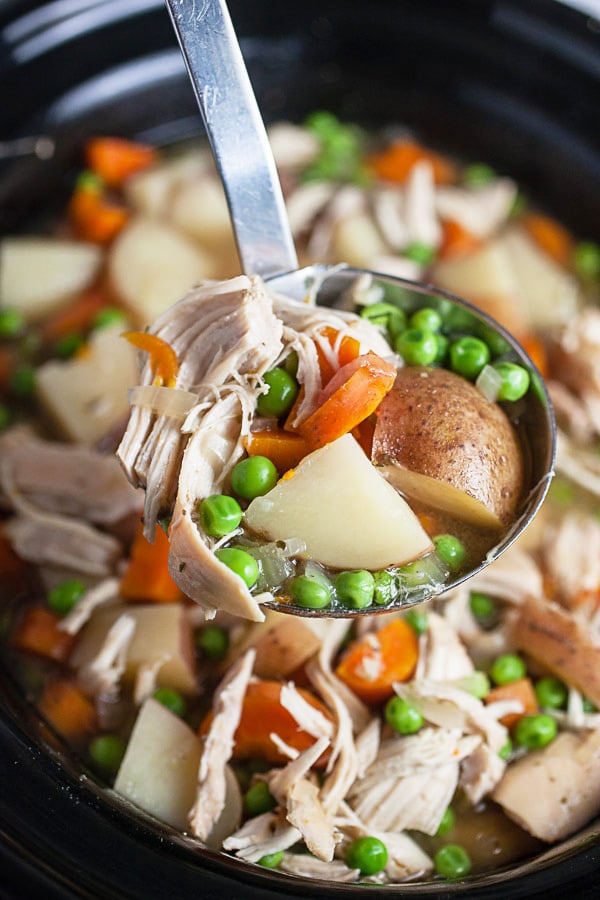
x,y
444,443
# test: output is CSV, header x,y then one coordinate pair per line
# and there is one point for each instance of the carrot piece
x,y
354,392
38,633
115,159
536,350
288,424
284,448
77,316
396,161
334,351
163,358
263,715
95,218
456,240
68,710
551,237
376,661
521,690
147,575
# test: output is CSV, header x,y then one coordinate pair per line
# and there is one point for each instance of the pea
x,y
478,174
367,854
108,316
451,551
417,347
452,861
506,749
172,700
482,606
23,380
588,706
402,716
308,592
446,822
442,351
279,399
387,316
5,417
12,323
533,732
239,562
290,363
420,252
551,693
356,588
68,345
219,514
506,668
107,752
63,597
477,684
271,860
515,381
426,319
468,356
418,620
213,642
586,259
253,477
386,588
258,799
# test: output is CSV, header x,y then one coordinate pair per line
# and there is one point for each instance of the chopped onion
x,y
489,382
164,401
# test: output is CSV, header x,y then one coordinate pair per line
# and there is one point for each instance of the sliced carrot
x,y
551,237
68,709
38,633
375,662
263,715
521,690
396,161
94,218
456,240
77,316
352,395
163,358
536,350
334,351
284,448
147,575
115,159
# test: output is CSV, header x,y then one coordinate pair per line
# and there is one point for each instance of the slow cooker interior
x,y
514,84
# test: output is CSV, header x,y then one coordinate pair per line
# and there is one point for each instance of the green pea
x,y
533,732
551,692
219,514
367,854
418,620
419,252
258,799
446,823
442,351
68,345
586,259
402,716
12,322
507,668
426,319
110,315
506,749
477,684
482,606
23,380
588,706
387,316
386,587
452,861
239,562
172,700
63,597
107,752
271,860
290,363
451,551
279,399
5,417
253,477
213,642
478,174
515,381
417,347
355,588
468,356
309,592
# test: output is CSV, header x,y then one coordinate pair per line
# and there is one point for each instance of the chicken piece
x,y
552,792
101,675
480,211
480,773
571,559
405,858
442,655
305,812
261,836
422,223
307,866
103,593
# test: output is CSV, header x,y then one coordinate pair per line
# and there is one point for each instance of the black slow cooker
x,y
512,82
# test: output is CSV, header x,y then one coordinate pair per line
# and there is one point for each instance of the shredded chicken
x,y
102,594
102,674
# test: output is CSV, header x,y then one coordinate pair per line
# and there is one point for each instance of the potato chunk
x,y
345,512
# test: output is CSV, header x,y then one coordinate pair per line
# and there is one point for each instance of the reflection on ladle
x,y
246,166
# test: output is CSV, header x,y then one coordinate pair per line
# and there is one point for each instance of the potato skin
x,y
436,423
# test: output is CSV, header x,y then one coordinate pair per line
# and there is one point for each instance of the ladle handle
x,y
237,135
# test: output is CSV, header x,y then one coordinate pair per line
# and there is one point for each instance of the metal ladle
x,y
245,163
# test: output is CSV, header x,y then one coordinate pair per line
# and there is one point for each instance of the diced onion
x,y
164,401
489,382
